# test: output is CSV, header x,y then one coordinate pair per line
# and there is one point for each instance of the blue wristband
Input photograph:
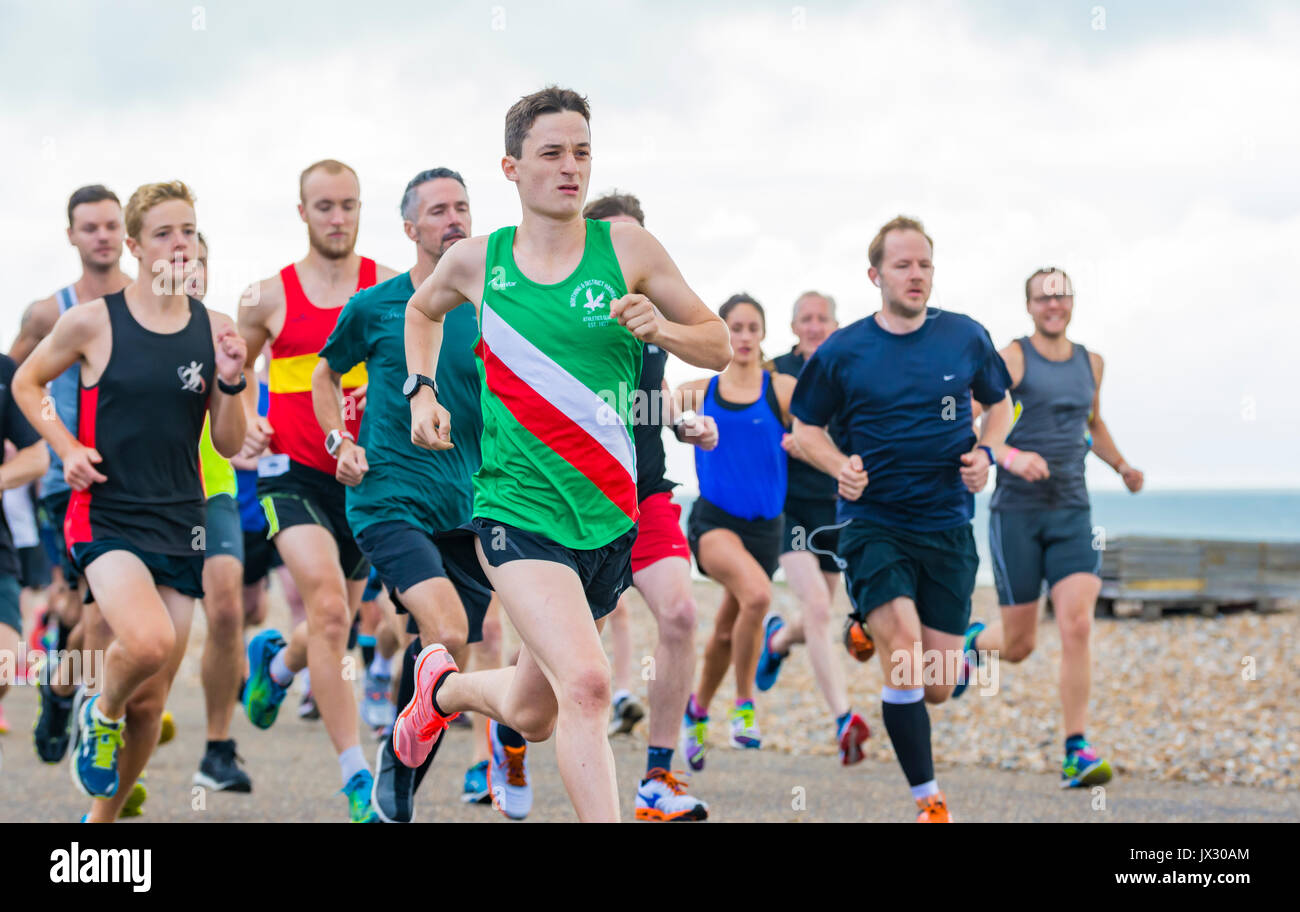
x,y
988,451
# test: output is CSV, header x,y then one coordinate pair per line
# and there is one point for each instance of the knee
x,y
817,613
330,620
937,693
225,618
677,619
588,690
755,601
152,653
491,641
1075,629
1017,647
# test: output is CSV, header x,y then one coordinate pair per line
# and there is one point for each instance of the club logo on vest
x,y
498,282
192,378
594,294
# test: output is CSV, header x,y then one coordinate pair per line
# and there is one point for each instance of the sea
x,y
1238,515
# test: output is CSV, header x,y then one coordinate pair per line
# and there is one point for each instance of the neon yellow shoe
x,y
168,729
134,806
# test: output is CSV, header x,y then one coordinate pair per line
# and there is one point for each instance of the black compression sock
x,y
908,725
508,736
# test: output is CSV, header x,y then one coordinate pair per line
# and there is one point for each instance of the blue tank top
x,y
745,474
251,516
63,389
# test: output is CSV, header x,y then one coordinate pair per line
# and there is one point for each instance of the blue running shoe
x,y
358,792
1083,768
476,789
262,695
769,663
970,658
94,762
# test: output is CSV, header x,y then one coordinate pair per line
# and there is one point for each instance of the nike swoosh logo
x,y
948,376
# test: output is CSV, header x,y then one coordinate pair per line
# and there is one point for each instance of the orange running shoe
x,y
419,725
857,641
662,798
933,809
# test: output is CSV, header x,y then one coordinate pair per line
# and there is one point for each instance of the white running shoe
x,y
508,776
662,798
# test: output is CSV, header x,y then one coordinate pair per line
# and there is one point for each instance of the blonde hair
x,y
147,196
330,166
876,249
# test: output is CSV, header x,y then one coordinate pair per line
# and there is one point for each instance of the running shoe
x,y
393,797
769,663
695,738
168,729
51,731
307,708
94,762
970,659
263,696
219,769
475,789
852,735
744,730
508,776
662,798
377,711
419,725
134,805
1084,768
358,791
857,640
626,712
933,809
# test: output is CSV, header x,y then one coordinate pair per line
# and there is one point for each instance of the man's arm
x,y
228,426
37,322
683,325
327,403
816,448
1103,444
257,305
28,464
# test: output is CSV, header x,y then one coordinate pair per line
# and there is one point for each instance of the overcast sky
x,y
1149,149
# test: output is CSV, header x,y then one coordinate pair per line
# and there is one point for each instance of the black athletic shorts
x,y
33,568
11,614
303,496
605,572
405,555
260,557
1030,546
182,572
761,537
936,570
806,523
55,507
222,532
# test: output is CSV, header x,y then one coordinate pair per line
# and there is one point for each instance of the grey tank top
x,y
1052,403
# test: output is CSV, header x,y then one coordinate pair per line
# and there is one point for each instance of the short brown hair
x,y
876,249
331,166
94,193
1046,270
615,203
147,196
524,112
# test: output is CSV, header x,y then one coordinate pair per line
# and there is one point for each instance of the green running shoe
x,y
262,695
1084,768
358,792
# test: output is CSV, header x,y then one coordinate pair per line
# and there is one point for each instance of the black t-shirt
x,y
13,427
805,482
647,426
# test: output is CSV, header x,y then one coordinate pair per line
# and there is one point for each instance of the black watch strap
x,y
413,384
232,390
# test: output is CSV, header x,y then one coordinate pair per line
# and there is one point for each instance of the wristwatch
x,y
413,384
679,426
234,390
334,439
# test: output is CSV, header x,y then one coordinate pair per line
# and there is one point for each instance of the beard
x,y
904,308
331,249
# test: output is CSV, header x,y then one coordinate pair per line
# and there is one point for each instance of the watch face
x,y
409,387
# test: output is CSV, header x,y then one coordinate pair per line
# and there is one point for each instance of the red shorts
x,y
659,532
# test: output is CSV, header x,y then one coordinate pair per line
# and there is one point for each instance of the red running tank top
x,y
294,354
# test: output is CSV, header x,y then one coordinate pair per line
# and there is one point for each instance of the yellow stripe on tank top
x,y
293,375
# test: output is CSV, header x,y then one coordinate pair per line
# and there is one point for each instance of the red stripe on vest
x,y
76,522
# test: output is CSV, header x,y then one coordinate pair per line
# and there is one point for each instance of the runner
x,y
1040,520
564,310
661,572
25,466
95,229
899,384
810,540
735,525
135,520
223,603
296,310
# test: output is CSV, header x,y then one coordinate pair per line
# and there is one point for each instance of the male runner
x,y
27,465
304,503
565,306
661,562
223,601
405,506
1041,530
153,361
95,229
900,384
811,538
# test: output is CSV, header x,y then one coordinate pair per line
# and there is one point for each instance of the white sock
x,y
925,789
351,762
304,679
103,718
620,695
280,672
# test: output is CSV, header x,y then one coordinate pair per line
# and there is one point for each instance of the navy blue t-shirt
x,y
903,405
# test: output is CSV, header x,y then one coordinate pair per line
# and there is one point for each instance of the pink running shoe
x,y
419,725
